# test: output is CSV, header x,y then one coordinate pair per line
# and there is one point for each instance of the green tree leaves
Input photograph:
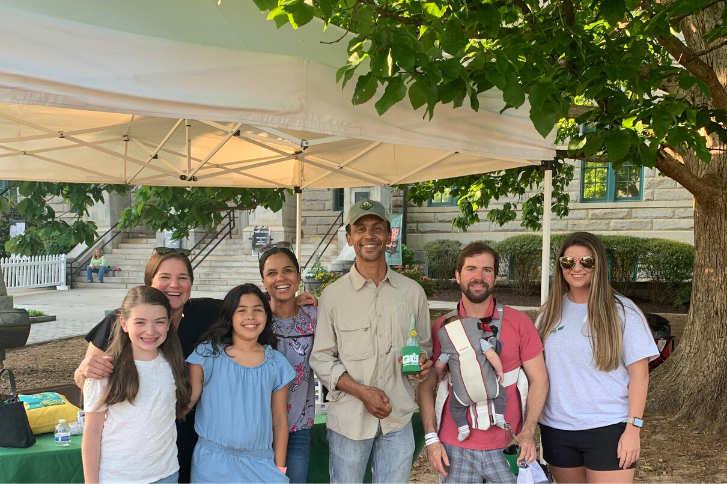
x,y
179,209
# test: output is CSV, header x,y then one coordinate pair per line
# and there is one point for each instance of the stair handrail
x,y
86,255
337,225
229,227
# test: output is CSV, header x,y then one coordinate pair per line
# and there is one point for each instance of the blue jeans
x,y
100,271
169,479
391,456
298,456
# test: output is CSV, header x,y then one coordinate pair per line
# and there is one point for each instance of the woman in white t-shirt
x,y
597,350
130,433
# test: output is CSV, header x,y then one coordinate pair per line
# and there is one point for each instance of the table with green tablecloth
x,y
44,462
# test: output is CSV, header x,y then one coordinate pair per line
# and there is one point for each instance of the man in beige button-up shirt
x,y
363,323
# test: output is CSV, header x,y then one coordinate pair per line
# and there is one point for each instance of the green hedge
x,y
523,253
623,252
442,257
669,265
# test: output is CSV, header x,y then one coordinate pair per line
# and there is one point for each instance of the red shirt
x,y
520,342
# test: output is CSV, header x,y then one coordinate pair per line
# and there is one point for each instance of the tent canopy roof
x,y
189,92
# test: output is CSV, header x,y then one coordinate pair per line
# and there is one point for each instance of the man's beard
x,y
476,297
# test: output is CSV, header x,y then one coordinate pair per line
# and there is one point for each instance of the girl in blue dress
x,y
241,417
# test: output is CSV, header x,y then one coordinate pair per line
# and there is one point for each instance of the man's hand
x,y
306,299
375,401
528,453
425,366
438,457
96,367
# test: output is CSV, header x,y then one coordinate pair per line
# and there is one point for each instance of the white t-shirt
x,y
139,441
580,396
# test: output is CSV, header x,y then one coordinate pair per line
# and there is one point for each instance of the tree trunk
x,y
693,381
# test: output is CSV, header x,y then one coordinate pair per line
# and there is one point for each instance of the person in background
x,y
294,326
130,415
597,350
98,264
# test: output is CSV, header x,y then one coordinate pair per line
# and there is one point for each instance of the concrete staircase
x,y
228,266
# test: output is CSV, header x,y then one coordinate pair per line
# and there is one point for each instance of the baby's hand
x,y
500,376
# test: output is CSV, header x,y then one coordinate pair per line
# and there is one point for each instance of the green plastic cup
x,y
512,452
410,360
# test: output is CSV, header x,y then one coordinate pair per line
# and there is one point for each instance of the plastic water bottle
x,y
410,352
62,436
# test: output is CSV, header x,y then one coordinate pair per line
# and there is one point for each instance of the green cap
x,y
366,207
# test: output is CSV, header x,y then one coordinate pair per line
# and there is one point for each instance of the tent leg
x,y
298,221
545,261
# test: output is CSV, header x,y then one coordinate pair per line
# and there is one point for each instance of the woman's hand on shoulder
x,y
306,299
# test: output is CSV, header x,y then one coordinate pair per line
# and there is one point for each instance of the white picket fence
x,y
35,271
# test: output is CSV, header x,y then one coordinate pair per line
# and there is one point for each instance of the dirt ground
x,y
672,451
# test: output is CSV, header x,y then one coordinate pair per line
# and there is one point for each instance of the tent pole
x,y
298,206
298,221
547,167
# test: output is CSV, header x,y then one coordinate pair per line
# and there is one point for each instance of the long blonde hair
x,y
124,380
604,324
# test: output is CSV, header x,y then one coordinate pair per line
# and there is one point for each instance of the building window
x,y
443,199
601,183
338,199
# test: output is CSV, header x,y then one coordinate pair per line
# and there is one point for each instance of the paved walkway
x,y
76,311
79,310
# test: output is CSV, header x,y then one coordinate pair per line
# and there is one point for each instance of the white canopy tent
x,y
196,93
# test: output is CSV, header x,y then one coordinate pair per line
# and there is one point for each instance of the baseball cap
x,y
366,207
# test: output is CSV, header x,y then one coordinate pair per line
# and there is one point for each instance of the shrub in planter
x,y
523,253
669,265
325,279
415,274
442,257
407,256
623,252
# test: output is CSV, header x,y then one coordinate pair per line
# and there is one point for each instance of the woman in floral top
x,y
295,327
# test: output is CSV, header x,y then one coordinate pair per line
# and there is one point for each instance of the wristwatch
x,y
635,421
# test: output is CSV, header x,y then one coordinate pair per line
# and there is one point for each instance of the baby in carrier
x,y
471,349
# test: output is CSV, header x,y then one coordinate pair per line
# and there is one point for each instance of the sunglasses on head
x,y
267,247
568,262
169,250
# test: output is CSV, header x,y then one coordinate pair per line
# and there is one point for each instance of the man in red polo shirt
x,y
479,458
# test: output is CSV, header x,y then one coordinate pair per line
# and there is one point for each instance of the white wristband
x,y
431,438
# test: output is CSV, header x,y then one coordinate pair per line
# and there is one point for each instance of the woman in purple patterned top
x,y
295,328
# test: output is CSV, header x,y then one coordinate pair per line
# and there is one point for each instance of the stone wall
x,y
666,211
318,212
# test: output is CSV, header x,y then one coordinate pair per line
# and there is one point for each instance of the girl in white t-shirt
x,y
597,349
130,433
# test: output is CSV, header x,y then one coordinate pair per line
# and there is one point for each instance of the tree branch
x,y
570,16
388,14
707,51
696,67
711,3
577,110
588,159
670,163
522,6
